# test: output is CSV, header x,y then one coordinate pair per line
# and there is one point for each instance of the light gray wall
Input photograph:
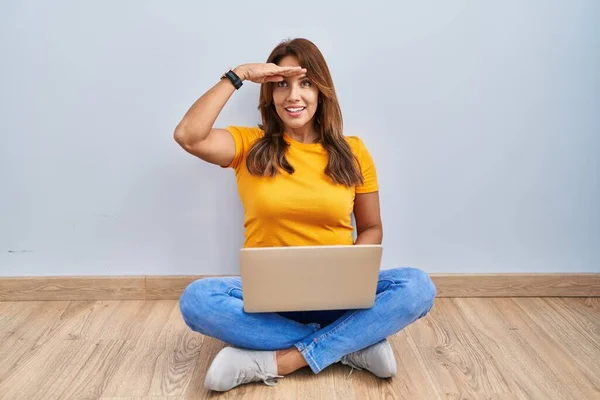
x,y
483,120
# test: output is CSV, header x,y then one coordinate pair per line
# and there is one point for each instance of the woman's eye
x,y
306,83
281,84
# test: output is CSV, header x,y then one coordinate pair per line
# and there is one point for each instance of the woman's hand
x,y
266,72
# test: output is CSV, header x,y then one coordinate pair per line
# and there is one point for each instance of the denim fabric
x,y
214,307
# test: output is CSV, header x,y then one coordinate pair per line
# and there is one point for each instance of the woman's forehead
x,y
289,61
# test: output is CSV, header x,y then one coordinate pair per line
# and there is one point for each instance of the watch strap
x,y
234,78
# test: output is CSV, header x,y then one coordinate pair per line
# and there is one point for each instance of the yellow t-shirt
x,y
300,209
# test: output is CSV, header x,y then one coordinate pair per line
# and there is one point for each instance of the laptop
x,y
309,278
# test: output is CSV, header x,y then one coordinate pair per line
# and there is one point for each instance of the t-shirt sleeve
x,y
367,168
244,137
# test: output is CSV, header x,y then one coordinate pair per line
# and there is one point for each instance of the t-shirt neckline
x,y
296,143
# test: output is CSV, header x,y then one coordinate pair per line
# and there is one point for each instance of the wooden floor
x,y
466,348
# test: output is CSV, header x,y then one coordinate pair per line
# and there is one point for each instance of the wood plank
x,y
14,314
591,304
517,285
499,322
146,398
208,349
580,348
134,371
71,288
414,380
127,321
175,366
37,319
46,375
430,333
459,365
480,369
83,320
43,340
494,332
92,377
171,366
580,314
465,348
106,320
337,382
170,287
11,351
548,350
303,382
156,365
29,338
167,287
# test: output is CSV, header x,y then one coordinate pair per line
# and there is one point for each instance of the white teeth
x,y
295,109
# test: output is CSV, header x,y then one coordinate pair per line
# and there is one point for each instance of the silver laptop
x,y
308,278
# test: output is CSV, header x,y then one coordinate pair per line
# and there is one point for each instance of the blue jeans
x,y
214,307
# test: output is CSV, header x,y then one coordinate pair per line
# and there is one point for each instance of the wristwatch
x,y
232,76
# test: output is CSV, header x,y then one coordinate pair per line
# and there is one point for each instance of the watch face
x,y
232,76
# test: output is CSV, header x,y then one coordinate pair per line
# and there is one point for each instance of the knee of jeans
x,y
194,302
419,287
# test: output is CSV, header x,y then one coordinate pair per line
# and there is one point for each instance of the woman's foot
x,y
289,361
233,367
378,359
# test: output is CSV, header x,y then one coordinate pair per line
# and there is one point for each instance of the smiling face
x,y
295,98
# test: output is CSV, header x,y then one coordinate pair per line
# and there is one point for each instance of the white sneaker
x,y
233,367
378,359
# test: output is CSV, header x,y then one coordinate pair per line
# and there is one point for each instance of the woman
x,y
299,180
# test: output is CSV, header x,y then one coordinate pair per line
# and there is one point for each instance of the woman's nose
x,y
294,94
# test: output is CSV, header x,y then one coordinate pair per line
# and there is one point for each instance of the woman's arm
x,y
195,133
368,218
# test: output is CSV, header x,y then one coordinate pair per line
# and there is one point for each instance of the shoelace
x,y
351,370
270,380
352,367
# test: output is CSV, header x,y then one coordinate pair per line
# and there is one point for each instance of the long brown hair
x,y
267,155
